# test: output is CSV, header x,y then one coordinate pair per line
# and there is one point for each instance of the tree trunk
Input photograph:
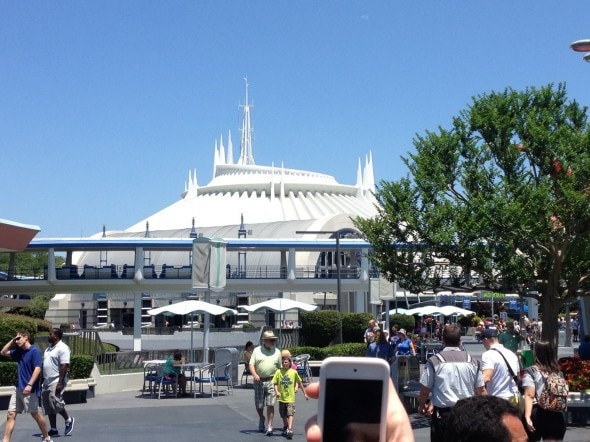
x,y
551,306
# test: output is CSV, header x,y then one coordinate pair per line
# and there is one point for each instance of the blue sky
x,y
105,106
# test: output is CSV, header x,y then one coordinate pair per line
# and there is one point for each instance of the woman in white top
x,y
540,423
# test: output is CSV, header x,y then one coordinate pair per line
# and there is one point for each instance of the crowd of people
x,y
454,386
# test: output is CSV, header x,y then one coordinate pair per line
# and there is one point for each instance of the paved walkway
x,y
127,416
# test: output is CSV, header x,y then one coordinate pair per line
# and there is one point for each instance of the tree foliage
x,y
28,263
501,198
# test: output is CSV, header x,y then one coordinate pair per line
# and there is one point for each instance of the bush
x,y
319,328
81,366
407,322
11,324
354,326
8,374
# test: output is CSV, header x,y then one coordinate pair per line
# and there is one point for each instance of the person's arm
x,y
303,389
32,380
8,346
424,404
277,392
487,375
63,371
412,349
529,395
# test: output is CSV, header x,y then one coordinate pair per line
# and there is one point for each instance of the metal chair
x,y
206,375
150,376
223,377
303,368
163,382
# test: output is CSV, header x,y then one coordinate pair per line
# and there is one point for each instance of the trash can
x,y
225,355
528,358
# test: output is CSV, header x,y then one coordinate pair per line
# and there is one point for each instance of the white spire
x,y
359,180
246,156
215,159
221,150
368,176
230,150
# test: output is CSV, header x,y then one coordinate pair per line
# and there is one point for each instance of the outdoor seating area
x,y
203,379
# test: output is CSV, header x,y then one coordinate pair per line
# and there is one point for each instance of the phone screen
x,y
351,405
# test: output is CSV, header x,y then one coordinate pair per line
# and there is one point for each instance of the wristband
x,y
29,385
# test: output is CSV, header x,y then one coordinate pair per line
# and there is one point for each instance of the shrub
x,y
11,324
319,328
8,373
407,322
354,326
576,372
81,366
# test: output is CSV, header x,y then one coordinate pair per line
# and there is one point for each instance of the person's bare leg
x,y
41,423
270,414
9,428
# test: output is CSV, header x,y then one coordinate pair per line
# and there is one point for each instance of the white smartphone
x,y
353,399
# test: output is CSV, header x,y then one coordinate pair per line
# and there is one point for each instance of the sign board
x,y
467,303
512,305
504,316
495,295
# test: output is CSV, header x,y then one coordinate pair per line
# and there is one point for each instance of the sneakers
x,y
289,434
47,439
285,431
69,426
261,425
53,432
269,431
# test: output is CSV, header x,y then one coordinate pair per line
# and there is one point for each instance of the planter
x,y
578,408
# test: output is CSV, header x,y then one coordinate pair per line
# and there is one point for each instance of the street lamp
x,y
582,46
338,297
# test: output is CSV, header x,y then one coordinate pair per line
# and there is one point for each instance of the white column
x,y
137,321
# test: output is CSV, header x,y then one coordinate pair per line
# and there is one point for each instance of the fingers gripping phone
x,y
353,399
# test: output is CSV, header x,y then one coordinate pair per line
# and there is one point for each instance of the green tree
x,y
504,193
28,263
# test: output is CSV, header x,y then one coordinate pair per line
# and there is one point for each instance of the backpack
x,y
553,397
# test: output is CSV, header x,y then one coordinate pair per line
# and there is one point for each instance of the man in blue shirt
x,y
584,349
25,397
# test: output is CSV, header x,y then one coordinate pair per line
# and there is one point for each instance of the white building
x,y
242,200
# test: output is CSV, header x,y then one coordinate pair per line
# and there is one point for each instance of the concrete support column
x,y
364,265
137,321
291,265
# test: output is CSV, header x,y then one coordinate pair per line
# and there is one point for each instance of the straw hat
x,y
269,334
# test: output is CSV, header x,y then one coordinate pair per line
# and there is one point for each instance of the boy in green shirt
x,y
285,381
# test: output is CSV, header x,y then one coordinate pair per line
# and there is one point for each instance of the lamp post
x,y
338,290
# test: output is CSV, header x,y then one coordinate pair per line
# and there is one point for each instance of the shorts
x,y
52,403
23,404
264,394
286,409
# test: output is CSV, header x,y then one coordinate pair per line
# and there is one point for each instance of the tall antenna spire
x,y
246,156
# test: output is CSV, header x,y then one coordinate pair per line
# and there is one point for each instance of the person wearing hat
x,y
499,368
405,346
286,383
265,361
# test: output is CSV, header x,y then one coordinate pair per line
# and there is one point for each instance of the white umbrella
x,y
401,311
426,310
191,307
279,305
450,310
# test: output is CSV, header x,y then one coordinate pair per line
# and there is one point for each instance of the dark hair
x,y
451,335
58,332
177,356
545,357
479,418
248,344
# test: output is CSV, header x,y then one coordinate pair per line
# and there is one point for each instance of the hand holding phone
x,y
353,399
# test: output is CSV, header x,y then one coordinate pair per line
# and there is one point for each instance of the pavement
x,y
129,416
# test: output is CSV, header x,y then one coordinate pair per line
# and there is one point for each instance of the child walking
x,y
286,380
